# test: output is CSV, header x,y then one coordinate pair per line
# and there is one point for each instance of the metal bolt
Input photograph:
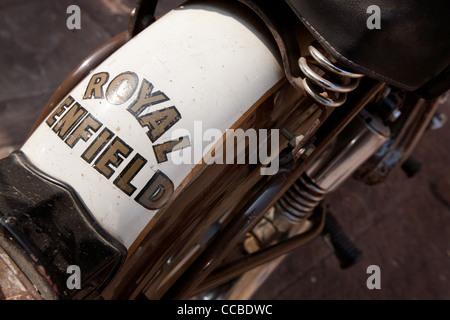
x,y
395,114
437,121
294,139
443,98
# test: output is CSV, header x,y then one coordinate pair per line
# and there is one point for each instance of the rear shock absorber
x,y
298,202
333,93
356,143
351,148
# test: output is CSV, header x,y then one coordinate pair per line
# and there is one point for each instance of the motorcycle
x,y
149,173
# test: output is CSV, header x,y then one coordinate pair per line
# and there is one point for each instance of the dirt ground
x,y
403,225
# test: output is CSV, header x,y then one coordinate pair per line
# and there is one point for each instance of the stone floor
x,y
403,225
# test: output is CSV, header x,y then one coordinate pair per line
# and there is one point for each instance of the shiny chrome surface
x,y
353,146
334,94
357,142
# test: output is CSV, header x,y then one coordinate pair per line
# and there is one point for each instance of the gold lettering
x,y
69,120
83,130
130,171
99,143
59,110
158,122
114,154
156,193
95,86
122,88
146,98
161,150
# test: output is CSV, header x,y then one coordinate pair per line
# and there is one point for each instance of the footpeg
x,y
411,167
346,251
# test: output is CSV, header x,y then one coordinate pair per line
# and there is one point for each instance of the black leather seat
x,y
410,51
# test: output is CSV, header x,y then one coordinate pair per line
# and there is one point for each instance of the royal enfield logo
x,y
105,150
71,122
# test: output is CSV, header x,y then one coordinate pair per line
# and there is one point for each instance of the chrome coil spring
x,y
300,200
334,94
